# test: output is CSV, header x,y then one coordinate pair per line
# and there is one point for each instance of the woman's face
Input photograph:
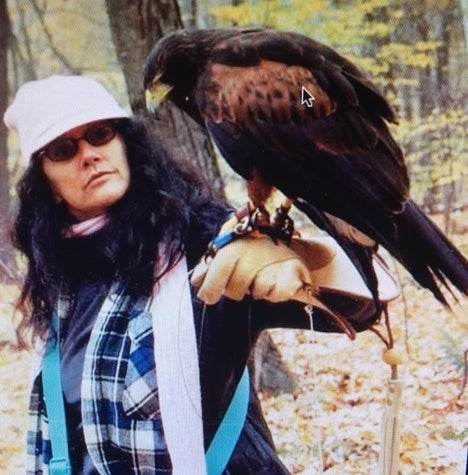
x,y
94,178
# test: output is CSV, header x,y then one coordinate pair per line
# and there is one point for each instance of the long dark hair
x,y
166,203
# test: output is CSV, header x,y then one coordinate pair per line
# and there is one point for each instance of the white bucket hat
x,y
45,109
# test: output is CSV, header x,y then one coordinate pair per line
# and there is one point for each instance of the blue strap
x,y
222,446
52,387
220,241
243,227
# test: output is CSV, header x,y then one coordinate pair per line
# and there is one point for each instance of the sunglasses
x,y
61,150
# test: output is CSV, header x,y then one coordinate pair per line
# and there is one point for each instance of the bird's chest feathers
x,y
266,92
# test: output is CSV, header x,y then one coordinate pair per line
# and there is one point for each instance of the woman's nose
x,y
88,153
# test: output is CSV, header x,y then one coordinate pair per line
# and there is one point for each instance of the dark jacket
x,y
227,332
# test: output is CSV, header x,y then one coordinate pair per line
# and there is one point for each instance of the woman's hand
x,y
252,265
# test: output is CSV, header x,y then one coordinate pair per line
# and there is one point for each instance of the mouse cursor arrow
x,y
307,98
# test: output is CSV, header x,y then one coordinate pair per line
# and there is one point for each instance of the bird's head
x,y
161,71
174,66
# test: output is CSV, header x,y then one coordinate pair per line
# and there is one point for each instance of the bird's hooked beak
x,y
155,94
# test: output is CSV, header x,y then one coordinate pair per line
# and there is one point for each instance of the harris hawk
x,y
290,113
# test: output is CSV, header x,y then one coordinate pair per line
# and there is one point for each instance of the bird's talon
x,y
283,224
260,218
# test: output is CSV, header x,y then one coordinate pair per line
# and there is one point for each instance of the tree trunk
x,y
446,99
442,68
135,27
7,261
464,11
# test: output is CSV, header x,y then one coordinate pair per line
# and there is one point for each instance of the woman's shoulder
x,y
206,218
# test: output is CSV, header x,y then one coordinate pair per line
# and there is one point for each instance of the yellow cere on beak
x,y
155,94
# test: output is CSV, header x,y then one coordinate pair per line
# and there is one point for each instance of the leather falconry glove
x,y
255,265
251,265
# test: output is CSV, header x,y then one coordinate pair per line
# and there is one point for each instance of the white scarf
x,y
175,351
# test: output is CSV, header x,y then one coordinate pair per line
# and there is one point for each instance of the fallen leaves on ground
x,y
338,404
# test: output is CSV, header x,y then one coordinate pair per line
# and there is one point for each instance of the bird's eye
x,y
186,98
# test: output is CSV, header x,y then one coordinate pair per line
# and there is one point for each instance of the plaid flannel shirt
x,y
120,408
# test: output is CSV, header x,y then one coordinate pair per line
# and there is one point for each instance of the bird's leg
x,y
259,190
255,217
281,221
260,218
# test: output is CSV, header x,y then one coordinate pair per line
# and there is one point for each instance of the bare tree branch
x,y
60,56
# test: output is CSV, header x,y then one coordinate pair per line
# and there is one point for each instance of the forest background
x,y
417,53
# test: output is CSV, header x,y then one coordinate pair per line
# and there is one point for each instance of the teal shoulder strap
x,y
52,387
222,446
224,442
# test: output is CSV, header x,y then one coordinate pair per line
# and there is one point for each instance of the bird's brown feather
x,y
267,91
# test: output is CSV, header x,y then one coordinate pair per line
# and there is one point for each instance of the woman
x,y
110,226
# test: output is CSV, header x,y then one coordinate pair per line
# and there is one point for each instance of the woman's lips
x,y
95,177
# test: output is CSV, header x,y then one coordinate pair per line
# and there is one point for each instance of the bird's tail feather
x,y
427,253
